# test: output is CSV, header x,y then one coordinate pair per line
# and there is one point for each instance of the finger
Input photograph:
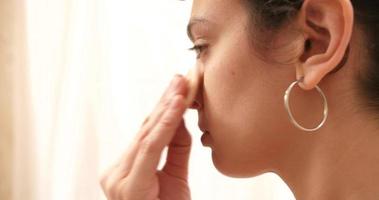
x,y
178,154
119,170
126,162
178,86
163,100
105,176
122,168
152,146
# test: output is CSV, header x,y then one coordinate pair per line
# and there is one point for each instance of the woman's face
x,y
241,96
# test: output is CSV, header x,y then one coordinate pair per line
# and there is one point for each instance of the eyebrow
x,y
194,21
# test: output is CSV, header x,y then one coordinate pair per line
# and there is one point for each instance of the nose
x,y
197,103
198,81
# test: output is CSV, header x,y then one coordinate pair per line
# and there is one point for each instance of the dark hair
x,y
271,15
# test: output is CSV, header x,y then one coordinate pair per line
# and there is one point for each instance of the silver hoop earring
x,y
287,106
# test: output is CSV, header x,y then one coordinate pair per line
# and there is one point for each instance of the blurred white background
x,y
95,69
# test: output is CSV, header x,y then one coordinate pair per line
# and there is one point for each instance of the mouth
x,y
206,138
202,129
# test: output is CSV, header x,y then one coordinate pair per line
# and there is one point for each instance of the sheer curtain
x,y
93,70
15,123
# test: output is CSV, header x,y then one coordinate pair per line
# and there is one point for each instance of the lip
x,y
206,139
202,127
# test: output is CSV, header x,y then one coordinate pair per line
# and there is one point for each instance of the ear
x,y
327,26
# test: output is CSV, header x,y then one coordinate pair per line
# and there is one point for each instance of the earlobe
x,y
327,26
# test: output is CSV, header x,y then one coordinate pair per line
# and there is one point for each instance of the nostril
x,y
195,105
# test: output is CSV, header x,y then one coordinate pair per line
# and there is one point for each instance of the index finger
x,y
151,148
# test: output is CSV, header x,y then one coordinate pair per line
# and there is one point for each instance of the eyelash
x,y
198,49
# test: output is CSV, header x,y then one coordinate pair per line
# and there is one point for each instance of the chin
x,y
235,170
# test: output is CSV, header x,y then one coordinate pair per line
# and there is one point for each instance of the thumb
x,y
178,153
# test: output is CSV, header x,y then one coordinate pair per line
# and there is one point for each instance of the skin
x,y
339,161
135,175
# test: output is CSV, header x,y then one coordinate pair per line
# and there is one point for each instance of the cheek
x,y
227,77
224,94
231,81
239,104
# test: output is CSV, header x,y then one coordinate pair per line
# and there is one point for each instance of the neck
x,y
341,161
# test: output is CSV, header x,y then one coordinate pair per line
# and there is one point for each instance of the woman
x,y
324,143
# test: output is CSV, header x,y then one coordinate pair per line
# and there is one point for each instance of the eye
x,y
199,49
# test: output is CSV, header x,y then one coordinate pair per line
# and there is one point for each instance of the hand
x,y
135,176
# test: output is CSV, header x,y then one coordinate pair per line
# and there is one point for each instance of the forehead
x,y
217,10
